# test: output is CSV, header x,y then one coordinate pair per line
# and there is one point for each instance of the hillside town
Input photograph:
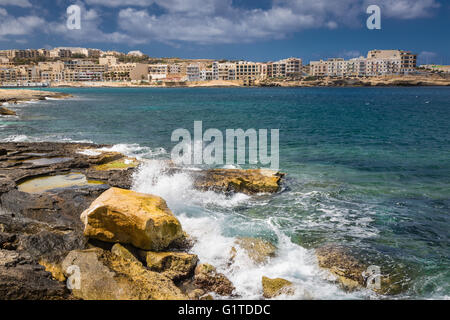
x,y
65,65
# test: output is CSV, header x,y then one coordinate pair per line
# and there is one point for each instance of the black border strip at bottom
x,y
222,309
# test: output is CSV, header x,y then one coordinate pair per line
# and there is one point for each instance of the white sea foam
x,y
213,244
34,101
89,152
52,138
17,138
177,189
135,150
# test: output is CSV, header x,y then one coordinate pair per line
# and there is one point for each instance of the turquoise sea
x,y
368,168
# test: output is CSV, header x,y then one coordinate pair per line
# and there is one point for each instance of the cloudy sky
x,y
233,29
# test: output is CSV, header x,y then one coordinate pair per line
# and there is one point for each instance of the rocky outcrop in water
x,y
6,112
250,181
258,250
209,280
354,274
14,96
276,287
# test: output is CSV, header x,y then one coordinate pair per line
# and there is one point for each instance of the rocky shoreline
x,y
127,245
69,205
15,96
378,81
382,81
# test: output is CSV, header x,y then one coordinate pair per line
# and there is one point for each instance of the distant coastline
x,y
15,96
391,81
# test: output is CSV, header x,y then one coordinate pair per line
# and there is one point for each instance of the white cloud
x,y
17,26
242,27
215,21
17,3
90,29
120,3
406,9
218,21
351,54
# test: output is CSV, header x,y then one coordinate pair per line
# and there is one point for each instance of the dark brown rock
x,y
6,112
209,280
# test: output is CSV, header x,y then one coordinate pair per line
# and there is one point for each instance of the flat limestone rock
x,y
250,181
123,216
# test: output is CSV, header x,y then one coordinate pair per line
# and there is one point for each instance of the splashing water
x,y
209,218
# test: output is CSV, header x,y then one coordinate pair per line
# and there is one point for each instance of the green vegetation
x,y
78,56
310,78
24,61
134,59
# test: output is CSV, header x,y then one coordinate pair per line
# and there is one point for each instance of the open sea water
x,y
368,168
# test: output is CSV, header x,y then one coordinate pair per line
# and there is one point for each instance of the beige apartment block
x,y
408,60
51,71
139,72
318,68
108,60
177,69
123,71
246,70
83,70
284,68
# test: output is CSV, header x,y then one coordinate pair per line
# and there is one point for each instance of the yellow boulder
x,y
124,216
276,287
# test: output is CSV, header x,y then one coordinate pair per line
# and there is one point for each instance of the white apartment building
x,y
378,67
193,72
224,71
378,62
206,75
334,67
158,71
405,61
337,67
356,67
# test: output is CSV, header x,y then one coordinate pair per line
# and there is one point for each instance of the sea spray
x,y
210,219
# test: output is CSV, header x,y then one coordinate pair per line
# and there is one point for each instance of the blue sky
x,y
259,30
